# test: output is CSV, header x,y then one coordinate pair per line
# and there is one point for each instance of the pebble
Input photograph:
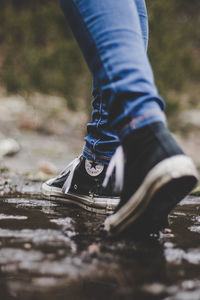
x,y
27,246
8,147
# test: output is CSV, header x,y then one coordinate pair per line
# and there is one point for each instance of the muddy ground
x,y
49,250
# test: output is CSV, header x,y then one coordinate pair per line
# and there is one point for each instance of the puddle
x,y
52,251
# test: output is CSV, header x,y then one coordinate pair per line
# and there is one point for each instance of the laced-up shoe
x,y
154,175
81,184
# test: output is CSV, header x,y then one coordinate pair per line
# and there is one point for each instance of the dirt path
x,y
46,131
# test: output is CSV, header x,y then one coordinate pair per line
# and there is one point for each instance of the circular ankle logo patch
x,y
93,168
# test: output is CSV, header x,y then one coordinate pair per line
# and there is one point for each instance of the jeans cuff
x,y
100,158
141,121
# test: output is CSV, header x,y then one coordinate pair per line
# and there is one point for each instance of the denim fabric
x,y
113,37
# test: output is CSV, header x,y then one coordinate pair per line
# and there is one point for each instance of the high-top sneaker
x,y
81,184
153,175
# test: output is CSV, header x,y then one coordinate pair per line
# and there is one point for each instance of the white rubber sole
x,y
175,167
100,205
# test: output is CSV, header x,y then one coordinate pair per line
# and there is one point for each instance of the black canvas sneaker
x,y
81,184
154,175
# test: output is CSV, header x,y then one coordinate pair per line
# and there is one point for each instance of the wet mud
x,y
49,250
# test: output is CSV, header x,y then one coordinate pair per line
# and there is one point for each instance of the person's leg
x,y
110,37
142,13
81,181
109,34
102,140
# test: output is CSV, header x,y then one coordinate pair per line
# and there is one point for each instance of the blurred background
x,y
45,84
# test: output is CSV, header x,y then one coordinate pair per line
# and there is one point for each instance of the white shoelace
x,y
70,168
116,163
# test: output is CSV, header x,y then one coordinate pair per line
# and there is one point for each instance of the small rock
x,y
93,249
155,288
27,246
167,230
8,147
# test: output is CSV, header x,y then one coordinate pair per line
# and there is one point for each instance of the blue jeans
x,y
113,37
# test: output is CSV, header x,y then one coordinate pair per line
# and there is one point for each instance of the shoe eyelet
x,y
76,187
